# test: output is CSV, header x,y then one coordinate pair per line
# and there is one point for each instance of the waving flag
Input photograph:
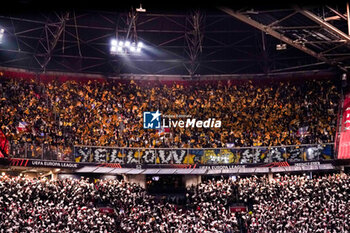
x,y
303,131
163,131
22,127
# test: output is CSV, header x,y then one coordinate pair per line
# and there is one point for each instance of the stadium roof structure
x,y
193,42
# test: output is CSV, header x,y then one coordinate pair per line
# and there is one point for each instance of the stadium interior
x,y
195,118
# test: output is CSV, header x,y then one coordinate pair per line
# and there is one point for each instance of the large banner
x,y
344,144
131,156
203,156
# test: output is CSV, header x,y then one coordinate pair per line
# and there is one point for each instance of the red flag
x,y
4,145
22,127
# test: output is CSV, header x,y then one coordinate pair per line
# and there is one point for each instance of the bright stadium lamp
x,y
114,42
125,47
139,44
2,31
140,9
113,49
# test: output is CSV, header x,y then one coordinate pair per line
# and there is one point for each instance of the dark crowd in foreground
x,y
287,203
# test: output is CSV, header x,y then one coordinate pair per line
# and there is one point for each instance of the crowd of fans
x,y
287,203
72,206
297,203
111,113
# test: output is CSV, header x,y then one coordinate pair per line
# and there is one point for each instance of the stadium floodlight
x,y
125,47
281,46
113,49
140,9
2,31
114,42
139,44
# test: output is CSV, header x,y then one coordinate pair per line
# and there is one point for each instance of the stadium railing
x,y
125,155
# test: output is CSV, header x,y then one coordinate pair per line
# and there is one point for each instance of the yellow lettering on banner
x,y
120,155
137,154
189,159
230,157
207,156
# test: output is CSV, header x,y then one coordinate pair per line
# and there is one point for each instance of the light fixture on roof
x,y
2,32
113,49
252,11
281,46
344,82
120,47
140,9
114,42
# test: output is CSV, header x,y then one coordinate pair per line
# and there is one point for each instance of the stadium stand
x,y
110,113
295,203
82,90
